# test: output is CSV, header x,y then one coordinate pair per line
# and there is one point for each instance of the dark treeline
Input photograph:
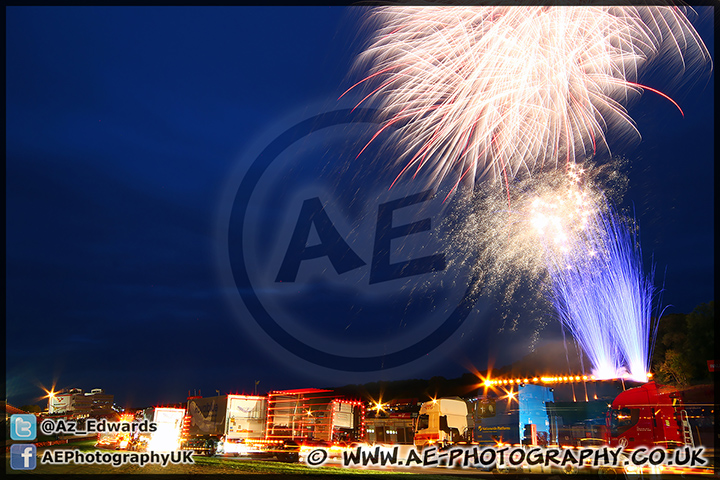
x,y
684,345
413,390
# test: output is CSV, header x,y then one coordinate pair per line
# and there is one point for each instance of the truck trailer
x,y
517,417
272,426
168,429
224,423
314,416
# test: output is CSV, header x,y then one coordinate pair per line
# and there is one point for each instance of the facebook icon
x,y
22,457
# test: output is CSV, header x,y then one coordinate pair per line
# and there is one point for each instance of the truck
x,y
313,415
166,436
608,412
116,440
648,416
443,422
272,426
393,430
224,423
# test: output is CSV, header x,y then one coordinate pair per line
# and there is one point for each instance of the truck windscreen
x,y
623,419
423,422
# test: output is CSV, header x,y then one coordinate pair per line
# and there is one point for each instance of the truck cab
x,y
646,416
443,421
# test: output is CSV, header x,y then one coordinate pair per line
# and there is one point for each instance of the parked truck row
x,y
278,425
530,414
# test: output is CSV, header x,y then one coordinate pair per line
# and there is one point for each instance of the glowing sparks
x,y
563,241
548,214
512,92
500,90
560,217
606,301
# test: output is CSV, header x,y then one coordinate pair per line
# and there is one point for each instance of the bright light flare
x,y
547,215
164,441
509,395
501,90
559,217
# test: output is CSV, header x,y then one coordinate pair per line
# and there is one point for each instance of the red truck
x,y
648,415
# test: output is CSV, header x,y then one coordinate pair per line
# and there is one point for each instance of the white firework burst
x,y
496,91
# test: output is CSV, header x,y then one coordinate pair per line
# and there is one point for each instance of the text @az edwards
x,y
504,457
51,426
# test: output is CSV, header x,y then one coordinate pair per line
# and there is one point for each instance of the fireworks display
x,y
562,242
496,91
478,94
604,299
509,245
511,93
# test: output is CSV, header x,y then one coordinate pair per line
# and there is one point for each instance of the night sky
x,y
131,130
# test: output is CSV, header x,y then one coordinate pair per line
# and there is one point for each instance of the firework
x,y
508,245
501,91
547,216
561,242
605,300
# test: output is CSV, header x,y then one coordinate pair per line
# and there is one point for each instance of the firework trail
x,y
605,300
508,245
561,241
496,91
510,93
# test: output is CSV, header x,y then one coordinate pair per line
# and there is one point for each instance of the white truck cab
x,y
443,421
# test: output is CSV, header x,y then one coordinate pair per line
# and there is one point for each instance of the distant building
x,y
73,401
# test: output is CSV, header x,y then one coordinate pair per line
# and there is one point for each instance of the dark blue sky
x,y
126,128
